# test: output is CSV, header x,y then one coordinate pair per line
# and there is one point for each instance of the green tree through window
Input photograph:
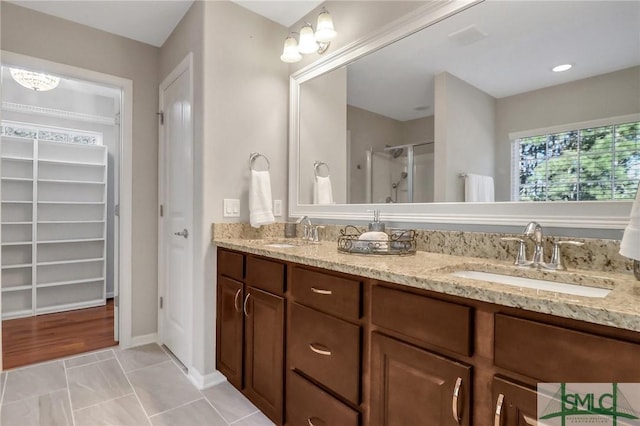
x,y
600,163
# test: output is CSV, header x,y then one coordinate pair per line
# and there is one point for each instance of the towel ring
x,y
254,156
316,168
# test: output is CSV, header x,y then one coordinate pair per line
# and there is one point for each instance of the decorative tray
x,y
398,242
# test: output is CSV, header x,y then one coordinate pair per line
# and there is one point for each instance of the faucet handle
x,y
521,258
557,261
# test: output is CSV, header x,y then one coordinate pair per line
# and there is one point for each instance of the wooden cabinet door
x,y
229,326
514,404
264,352
410,386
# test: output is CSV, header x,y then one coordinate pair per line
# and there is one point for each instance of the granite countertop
x,y
432,271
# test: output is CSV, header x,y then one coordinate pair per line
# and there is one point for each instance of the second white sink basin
x,y
573,289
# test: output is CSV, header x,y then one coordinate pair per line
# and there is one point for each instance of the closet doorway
x,y
61,158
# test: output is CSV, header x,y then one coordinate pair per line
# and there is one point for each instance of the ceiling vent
x,y
467,35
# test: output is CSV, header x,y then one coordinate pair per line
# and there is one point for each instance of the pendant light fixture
x,y
309,42
36,81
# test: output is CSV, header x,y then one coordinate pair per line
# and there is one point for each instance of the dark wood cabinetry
x,y
250,329
411,386
515,404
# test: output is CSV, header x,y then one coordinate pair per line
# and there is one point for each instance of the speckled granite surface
x,y
431,271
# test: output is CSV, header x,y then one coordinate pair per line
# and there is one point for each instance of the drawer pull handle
x,y
321,291
319,351
235,300
530,421
454,400
311,420
244,305
497,420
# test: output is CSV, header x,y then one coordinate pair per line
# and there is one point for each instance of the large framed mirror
x,y
455,115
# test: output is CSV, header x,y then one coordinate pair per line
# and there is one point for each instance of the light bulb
x,y
290,52
307,41
324,30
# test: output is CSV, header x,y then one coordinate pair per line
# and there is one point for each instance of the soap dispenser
x,y
376,225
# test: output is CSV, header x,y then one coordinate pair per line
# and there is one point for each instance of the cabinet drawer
x,y
434,322
231,264
555,354
308,404
265,274
334,295
326,349
513,404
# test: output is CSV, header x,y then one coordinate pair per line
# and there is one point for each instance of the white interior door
x,y
176,223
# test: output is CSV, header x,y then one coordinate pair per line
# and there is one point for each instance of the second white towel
x,y
260,202
478,188
630,244
322,191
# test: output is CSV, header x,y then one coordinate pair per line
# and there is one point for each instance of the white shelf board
x,y
16,179
71,306
78,240
70,163
18,266
16,202
17,288
94,203
17,243
16,314
83,182
70,282
61,222
68,262
15,158
17,223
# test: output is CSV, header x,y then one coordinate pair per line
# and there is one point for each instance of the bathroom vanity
x,y
315,337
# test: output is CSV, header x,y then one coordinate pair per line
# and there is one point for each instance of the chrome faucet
x,y
310,230
533,231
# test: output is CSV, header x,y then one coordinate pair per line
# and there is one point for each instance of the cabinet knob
x,y
319,351
497,418
454,400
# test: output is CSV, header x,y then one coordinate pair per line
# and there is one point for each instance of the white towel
x,y
478,188
322,192
630,244
260,203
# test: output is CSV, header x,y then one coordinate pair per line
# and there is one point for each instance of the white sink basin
x,y
574,289
280,245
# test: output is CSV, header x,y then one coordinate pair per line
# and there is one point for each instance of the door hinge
x,y
161,115
161,210
116,301
116,119
117,210
161,302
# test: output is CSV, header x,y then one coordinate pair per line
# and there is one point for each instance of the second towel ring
x,y
254,156
316,168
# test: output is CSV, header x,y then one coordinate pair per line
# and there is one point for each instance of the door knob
x,y
183,233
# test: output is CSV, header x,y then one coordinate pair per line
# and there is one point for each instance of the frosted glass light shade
x,y
307,41
34,80
324,30
290,52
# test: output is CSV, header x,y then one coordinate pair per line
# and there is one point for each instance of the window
x,y
591,163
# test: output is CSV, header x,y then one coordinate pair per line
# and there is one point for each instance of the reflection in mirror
x,y
472,101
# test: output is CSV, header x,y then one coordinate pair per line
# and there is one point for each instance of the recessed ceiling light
x,y
560,68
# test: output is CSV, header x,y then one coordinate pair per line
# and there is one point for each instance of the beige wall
x,y
458,148
42,36
603,96
323,133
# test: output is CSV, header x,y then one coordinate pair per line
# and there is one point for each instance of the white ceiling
x,y
152,21
524,40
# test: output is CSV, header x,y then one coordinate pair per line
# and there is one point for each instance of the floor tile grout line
x,y
104,402
66,379
61,359
175,360
245,417
126,376
89,363
4,387
214,407
175,408
37,395
142,368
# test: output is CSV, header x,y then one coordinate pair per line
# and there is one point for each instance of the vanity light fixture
x,y
36,81
560,68
309,42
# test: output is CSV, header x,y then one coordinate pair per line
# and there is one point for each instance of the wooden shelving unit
x,y
53,226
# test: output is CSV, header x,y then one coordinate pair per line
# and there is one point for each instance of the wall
x,y
322,133
43,36
606,95
461,149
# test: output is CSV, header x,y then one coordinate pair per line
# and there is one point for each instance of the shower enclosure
x,y
400,174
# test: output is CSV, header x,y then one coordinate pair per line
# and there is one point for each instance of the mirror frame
x,y
569,214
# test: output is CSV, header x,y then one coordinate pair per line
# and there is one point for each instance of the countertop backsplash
x,y
594,255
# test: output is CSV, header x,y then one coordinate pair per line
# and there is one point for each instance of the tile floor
x,y
138,386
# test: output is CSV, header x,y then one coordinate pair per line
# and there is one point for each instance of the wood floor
x,y
45,337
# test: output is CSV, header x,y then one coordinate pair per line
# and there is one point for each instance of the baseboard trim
x,y
144,339
205,381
